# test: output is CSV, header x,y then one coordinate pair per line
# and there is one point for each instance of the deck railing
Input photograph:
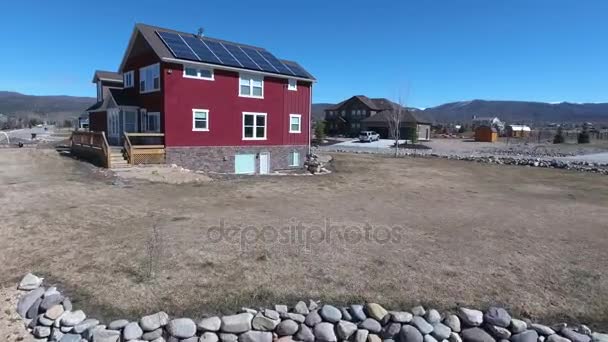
x,y
92,146
144,148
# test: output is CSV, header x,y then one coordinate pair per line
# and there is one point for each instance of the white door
x,y
264,163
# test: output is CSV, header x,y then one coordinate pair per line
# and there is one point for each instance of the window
x,y
127,78
149,78
343,113
292,84
251,86
295,123
200,120
254,126
114,123
294,158
99,91
353,112
150,121
199,73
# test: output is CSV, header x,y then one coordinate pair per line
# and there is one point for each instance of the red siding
x,y
226,108
98,122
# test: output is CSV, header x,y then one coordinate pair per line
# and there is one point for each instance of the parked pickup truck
x,y
368,136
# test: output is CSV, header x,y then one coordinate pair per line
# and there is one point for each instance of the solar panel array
x,y
223,53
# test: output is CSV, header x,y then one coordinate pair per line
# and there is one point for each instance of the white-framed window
x,y
99,91
128,79
254,126
150,121
149,78
198,73
251,86
200,120
295,123
292,84
113,123
294,158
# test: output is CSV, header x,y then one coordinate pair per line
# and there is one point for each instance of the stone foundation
x,y
221,158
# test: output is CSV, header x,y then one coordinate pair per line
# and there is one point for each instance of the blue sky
x,y
429,52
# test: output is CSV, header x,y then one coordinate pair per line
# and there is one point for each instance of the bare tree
x,y
393,119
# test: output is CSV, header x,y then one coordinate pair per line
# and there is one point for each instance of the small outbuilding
x,y
486,134
517,131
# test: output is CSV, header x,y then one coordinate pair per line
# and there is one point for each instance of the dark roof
x,y
385,106
95,106
382,116
370,103
107,76
149,34
122,99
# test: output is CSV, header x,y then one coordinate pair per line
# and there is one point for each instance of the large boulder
x,y
72,318
526,336
154,321
133,331
30,282
85,325
357,313
575,336
497,316
476,335
27,300
441,331
301,308
255,336
264,323
453,322
517,326
288,327
313,318
401,316
209,337
106,336
304,334
345,329
54,312
324,332
210,324
375,311
422,325
181,328
330,313
409,333
372,325
237,324
432,316
470,317
49,301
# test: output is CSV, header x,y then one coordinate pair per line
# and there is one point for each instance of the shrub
x,y
559,137
320,130
583,137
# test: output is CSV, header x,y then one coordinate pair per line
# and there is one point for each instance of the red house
x,y
222,106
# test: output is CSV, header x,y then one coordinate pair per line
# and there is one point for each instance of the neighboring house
x,y
83,122
222,106
490,121
359,113
486,134
517,131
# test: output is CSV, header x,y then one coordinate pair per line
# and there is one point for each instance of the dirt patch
x,y
465,233
162,174
12,327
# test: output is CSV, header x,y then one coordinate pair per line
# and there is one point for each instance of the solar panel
x,y
177,46
201,50
258,59
222,53
276,63
297,70
241,56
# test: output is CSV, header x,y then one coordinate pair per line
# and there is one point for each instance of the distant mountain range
x,y
510,111
56,107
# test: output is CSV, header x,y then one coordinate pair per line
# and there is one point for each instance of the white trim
x,y
251,79
255,115
239,70
299,116
293,87
109,80
124,78
198,72
295,152
194,111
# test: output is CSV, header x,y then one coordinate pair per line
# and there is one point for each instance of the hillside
x,y
56,107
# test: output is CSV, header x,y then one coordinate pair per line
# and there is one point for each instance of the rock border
x,y
49,316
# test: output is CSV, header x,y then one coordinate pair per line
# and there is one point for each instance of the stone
x,y
88,334
106,336
497,316
154,321
361,335
373,338
56,335
409,333
281,308
50,291
583,329
67,304
32,312
210,324
45,321
296,317
301,308
30,282
133,331
597,337
152,335
304,334
190,339
285,339
375,311
372,325
453,322
272,314
41,332
422,325
237,324
454,337
542,329
51,300
66,329
185,327
255,336
72,318
345,329
324,332
160,339
288,327
432,316
400,316
73,338
345,314
418,310
557,338
476,335
208,337
263,323
118,324
27,300
228,337
85,325
517,326
470,317
574,336
330,313
357,313
429,338
54,312
390,330
312,305
313,318
525,336
441,331
559,326
498,332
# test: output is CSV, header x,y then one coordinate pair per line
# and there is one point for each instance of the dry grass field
x,y
441,232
